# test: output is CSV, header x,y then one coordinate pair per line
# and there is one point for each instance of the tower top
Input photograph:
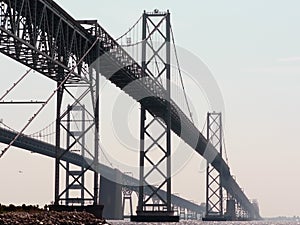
x,y
157,12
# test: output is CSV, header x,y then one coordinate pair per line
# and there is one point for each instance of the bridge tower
x,y
127,197
155,147
214,189
78,91
73,172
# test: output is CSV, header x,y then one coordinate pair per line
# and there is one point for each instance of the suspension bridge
x,y
74,54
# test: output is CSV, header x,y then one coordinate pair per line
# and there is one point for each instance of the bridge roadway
x,y
39,32
40,147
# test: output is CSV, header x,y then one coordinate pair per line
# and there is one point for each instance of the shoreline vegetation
x,y
29,214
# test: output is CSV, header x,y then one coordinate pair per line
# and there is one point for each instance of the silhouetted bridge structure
x,y
42,36
43,148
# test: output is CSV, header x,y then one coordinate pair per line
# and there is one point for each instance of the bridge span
x,y
46,149
44,37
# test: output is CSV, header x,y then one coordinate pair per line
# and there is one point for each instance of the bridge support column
x,y
214,188
111,196
77,131
155,146
241,213
182,213
127,197
59,97
75,128
230,209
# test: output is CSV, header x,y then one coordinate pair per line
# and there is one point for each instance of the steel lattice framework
x,y
37,35
159,141
214,189
41,35
75,176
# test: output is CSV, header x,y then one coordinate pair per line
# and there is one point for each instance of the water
x,y
192,222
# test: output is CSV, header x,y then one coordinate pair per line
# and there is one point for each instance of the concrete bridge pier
x,y
111,196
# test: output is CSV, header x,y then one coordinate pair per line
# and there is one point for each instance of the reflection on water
x,y
193,222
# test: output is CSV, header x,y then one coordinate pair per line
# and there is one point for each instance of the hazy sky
x,y
253,51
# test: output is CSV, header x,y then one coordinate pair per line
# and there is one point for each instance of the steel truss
x,y
214,188
76,139
36,34
87,88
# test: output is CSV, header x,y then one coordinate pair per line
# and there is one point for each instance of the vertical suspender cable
x,y
180,75
123,35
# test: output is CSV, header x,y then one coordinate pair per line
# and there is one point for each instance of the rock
x,y
49,218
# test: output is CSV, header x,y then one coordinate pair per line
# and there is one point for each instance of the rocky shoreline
x,y
50,218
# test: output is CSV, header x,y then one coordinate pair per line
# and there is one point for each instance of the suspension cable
x,y
204,126
8,127
130,29
15,84
180,75
131,45
36,134
41,130
105,156
48,100
101,149
225,150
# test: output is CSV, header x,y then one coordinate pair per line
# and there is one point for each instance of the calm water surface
x,y
190,222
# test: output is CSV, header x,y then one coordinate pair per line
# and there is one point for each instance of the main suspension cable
x,y
15,84
105,156
37,133
180,75
8,127
130,29
48,100
204,126
225,150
